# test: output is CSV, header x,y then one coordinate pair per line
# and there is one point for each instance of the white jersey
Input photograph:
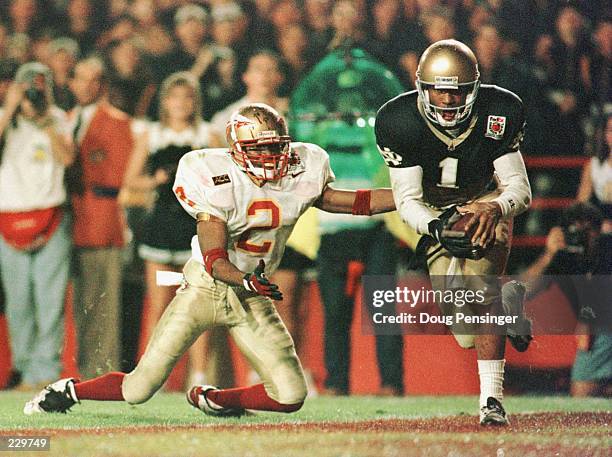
x,y
259,219
31,177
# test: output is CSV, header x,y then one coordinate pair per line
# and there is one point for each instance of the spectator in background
x,y
260,25
600,85
296,53
19,48
8,68
220,83
116,9
35,230
131,87
388,33
437,24
168,229
350,246
596,181
154,37
511,17
285,14
83,24
263,78
496,68
39,44
263,8
63,55
317,14
562,65
229,27
347,24
104,140
576,247
121,29
25,16
470,16
191,28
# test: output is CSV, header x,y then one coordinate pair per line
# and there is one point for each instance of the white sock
x,y
491,373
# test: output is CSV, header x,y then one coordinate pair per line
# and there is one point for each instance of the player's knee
x,y
465,341
292,396
137,390
291,390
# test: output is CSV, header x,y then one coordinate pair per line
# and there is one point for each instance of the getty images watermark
x,y
458,298
473,304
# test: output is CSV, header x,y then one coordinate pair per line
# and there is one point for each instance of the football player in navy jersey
x,y
453,141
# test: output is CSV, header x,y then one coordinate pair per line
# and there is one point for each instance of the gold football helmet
x,y
448,64
259,141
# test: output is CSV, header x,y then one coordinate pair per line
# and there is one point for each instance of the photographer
x,y
577,247
35,239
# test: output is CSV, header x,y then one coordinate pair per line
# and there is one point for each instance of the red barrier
x,y
433,364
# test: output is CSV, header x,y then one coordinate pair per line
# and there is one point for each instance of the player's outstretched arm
x,y
357,202
212,237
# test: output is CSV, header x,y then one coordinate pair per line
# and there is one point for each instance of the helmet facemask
x,y
435,113
259,143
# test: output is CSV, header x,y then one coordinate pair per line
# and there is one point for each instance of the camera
x,y
37,97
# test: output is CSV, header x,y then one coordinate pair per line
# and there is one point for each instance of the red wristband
x,y
361,205
211,256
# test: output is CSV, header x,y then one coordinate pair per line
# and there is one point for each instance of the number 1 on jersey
x,y
448,173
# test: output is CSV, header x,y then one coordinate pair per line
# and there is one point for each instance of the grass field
x,y
325,427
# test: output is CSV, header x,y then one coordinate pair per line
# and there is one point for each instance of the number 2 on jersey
x,y
252,210
448,172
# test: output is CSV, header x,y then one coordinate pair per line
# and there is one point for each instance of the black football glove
x,y
258,282
459,244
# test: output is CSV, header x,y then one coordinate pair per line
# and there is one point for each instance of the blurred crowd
x,y
555,54
164,75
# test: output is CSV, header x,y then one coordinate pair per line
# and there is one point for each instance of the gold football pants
x,y
202,303
482,274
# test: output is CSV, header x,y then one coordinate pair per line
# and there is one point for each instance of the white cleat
x,y
58,397
197,398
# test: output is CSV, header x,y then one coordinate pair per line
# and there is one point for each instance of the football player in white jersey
x,y
246,202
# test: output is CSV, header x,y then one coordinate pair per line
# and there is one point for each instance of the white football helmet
x,y
259,141
448,64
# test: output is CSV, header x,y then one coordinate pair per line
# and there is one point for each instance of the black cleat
x,y
519,333
493,413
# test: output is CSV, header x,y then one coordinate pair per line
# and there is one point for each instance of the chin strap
x,y
361,205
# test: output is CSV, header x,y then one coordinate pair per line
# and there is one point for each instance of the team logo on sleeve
x,y
496,126
221,179
392,159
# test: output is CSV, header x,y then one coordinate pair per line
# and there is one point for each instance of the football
x,y
457,228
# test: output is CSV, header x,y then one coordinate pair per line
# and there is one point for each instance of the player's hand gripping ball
x,y
452,232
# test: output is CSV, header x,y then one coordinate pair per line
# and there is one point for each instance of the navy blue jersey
x,y
459,169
